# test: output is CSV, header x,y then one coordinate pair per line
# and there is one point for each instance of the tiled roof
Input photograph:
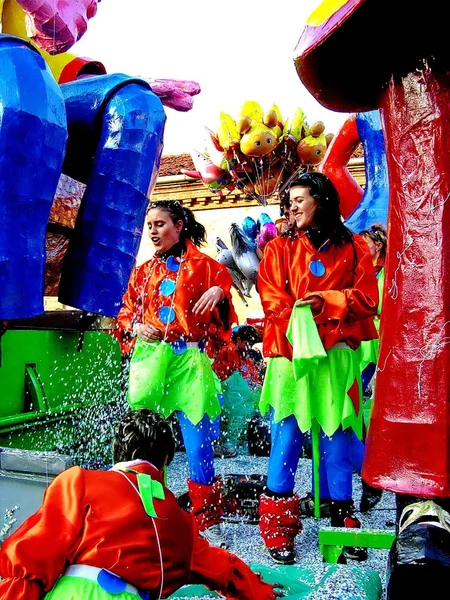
x,y
173,163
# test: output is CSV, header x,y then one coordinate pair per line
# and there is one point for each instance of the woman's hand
x,y
277,587
209,300
315,302
148,333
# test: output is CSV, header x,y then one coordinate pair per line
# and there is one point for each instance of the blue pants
x,y
367,375
199,450
335,470
215,425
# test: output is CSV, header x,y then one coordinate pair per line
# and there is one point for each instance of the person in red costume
x,y
178,306
241,376
319,264
119,534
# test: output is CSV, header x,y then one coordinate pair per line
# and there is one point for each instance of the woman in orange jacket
x,y
316,281
178,306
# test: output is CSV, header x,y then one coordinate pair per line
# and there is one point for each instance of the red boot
x,y
206,507
279,524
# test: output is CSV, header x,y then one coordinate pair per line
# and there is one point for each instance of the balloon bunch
x,y
247,244
258,152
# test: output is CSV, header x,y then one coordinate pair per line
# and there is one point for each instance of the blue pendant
x,y
166,314
173,264
167,287
113,584
179,346
317,268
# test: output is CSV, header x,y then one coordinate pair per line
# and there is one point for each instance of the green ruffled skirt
x,y
330,392
166,382
75,588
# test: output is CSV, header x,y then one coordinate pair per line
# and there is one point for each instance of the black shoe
x,y
307,506
370,497
282,557
354,553
343,514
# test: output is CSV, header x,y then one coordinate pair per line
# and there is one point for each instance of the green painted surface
x,y
45,382
333,539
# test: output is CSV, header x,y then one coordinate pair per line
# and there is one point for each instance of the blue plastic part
x,y
317,268
262,219
166,314
373,207
173,264
250,229
103,249
179,346
33,135
167,287
113,584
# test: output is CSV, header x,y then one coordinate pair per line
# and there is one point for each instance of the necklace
x,y
316,266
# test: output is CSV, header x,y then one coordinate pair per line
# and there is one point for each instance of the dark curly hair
x,y
247,333
192,229
143,434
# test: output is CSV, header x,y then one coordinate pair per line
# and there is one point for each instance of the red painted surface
x,y
408,441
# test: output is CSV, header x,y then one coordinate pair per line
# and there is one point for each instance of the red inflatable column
x,y
408,440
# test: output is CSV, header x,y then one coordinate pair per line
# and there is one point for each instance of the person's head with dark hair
x,y
315,208
376,238
170,222
145,435
245,337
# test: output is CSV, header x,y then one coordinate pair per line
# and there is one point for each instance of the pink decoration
x,y
268,232
55,25
174,93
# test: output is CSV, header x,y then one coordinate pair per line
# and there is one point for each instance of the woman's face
x,y
303,206
374,247
163,232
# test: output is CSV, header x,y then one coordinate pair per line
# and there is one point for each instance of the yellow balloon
x,y
252,109
259,140
273,120
227,132
296,127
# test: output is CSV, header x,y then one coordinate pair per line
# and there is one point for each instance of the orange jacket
x,y
96,518
348,288
198,272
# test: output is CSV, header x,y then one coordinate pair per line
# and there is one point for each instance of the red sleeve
x,y
226,362
356,303
223,315
224,572
276,301
132,309
34,556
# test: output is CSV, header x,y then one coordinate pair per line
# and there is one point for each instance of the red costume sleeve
x,y
276,300
226,362
224,572
34,556
132,310
352,304
223,316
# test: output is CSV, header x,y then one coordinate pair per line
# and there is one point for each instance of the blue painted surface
x,y
250,229
33,136
373,207
129,121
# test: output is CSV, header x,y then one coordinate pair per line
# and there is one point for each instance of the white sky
x,y
236,49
